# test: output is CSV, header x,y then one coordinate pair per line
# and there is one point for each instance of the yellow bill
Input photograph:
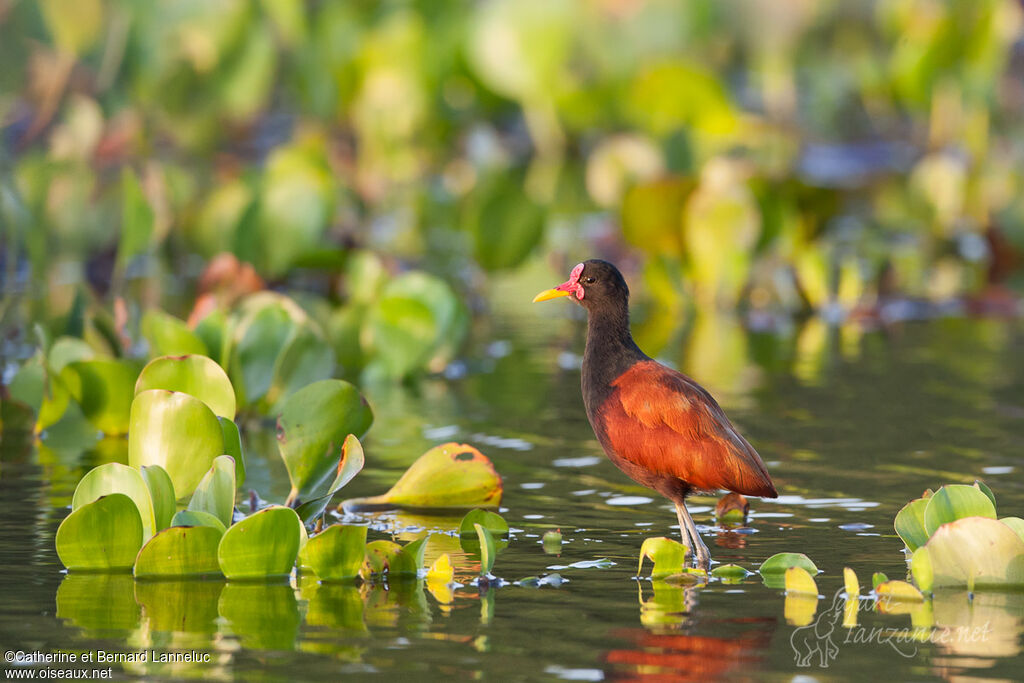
x,y
549,294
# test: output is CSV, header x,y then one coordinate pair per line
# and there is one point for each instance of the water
x,y
852,425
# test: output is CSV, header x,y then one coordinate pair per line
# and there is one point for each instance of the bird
x,y
656,424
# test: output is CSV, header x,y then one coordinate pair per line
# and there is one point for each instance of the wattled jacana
x,y
657,425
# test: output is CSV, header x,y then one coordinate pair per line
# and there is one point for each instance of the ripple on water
x,y
629,500
584,461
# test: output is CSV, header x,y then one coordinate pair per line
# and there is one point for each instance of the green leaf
x,y
215,493
312,426
909,524
416,319
306,358
505,223
1016,524
262,545
780,562
266,323
198,518
195,375
666,554
161,491
409,560
104,389
114,477
336,553
170,337
103,535
487,549
176,431
983,487
491,521
729,573
379,555
179,551
877,579
448,477
953,502
233,446
136,219
976,552
921,569
351,463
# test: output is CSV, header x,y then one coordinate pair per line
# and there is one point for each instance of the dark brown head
x,y
594,284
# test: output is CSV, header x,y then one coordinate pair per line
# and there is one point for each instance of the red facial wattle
x,y
572,285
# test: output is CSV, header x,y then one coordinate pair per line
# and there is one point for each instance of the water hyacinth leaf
x,y
137,219
441,571
306,358
491,521
414,319
889,591
169,336
780,562
909,524
953,502
161,492
487,549
114,477
352,460
233,446
983,487
448,477
215,493
198,518
729,573
195,375
263,545
179,551
67,350
921,569
799,581
312,426
104,535
850,583
1016,524
336,553
409,559
505,223
104,389
976,552
877,579
176,431
666,554
379,556
265,325
552,542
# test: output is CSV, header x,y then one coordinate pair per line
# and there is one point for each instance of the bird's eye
x,y
589,280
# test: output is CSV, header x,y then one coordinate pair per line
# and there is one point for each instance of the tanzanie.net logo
x,y
837,627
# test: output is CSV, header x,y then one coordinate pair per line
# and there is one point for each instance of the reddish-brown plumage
x,y
661,428
657,425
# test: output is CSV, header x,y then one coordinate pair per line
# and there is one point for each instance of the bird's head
x,y
593,284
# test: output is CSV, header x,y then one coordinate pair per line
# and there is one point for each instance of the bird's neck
x,y
610,351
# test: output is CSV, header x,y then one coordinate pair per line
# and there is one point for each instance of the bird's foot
x,y
701,555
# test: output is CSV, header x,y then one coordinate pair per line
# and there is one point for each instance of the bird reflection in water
x,y
664,652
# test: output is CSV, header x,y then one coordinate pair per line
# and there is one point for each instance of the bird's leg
x,y
688,528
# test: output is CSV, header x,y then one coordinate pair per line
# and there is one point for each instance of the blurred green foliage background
x,y
783,157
